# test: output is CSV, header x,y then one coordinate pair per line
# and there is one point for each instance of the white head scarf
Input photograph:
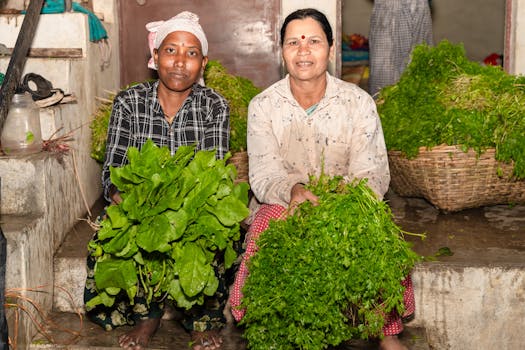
x,y
185,22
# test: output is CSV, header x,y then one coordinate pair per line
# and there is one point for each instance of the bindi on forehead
x,y
302,37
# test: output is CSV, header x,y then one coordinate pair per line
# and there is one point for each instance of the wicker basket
x,y
240,160
453,180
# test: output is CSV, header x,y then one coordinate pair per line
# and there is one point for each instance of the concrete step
x,y
70,331
473,296
57,30
472,299
27,180
69,265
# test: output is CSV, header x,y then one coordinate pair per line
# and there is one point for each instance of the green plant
x,y
238,91
444,98
177,212
99,129
328,273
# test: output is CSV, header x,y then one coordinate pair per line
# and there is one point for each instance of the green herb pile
x,y
328,273
443,98
238,91
177,213
99,130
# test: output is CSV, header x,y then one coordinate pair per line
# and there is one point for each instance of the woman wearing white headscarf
x,y
175,110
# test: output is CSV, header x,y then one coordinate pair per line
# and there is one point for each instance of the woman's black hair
x,y
314,14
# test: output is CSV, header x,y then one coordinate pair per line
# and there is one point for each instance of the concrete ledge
x,y
21,182
29,274
474,297
33,238
58,30
70,267
471,307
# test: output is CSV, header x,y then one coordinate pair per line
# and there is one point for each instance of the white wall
x,y
479,25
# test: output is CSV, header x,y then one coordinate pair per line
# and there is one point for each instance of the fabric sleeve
x,y
217,133
269,180
368,152
119,139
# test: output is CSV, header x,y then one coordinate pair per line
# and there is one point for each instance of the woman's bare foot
x,y
139,337
391,342
208,340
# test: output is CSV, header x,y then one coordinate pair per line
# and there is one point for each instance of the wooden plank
x,y
18,59
53,52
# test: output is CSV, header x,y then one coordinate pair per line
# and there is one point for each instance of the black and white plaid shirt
x,y
137,116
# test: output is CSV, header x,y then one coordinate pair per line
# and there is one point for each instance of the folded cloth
x,y
53,6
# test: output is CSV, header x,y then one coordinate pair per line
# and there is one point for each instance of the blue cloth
x,y
53,6
96,29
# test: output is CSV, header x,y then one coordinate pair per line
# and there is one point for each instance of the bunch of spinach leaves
x,y
444,98
328,273
177,212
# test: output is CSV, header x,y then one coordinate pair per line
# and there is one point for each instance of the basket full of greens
x,y
177,213
455,130
328,273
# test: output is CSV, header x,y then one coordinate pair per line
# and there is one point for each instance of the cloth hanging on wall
x,y
97,31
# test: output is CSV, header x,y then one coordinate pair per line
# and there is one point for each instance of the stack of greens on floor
x,y
327,274
443,98
177,213
238,91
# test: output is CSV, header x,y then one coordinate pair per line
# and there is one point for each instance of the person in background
x,y
306,123
173,111
396,26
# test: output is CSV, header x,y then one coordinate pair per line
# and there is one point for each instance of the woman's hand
x,y
299,194
114,194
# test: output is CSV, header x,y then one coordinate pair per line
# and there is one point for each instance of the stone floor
x,y
82,334
480,236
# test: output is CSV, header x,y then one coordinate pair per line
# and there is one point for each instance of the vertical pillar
x,y
514,55
3,321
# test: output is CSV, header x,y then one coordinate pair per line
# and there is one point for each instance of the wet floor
x,y
75,333
479,236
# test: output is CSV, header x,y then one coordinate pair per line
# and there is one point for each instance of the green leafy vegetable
x,y
177,212
443,98
328,273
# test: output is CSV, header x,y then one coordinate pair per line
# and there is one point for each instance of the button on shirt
x,y
286,145
137,116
